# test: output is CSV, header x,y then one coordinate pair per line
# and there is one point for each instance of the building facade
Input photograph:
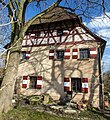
x,y
61,56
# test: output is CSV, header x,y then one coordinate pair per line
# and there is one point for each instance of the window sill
x,y
33,88
78,93
58,59
83,59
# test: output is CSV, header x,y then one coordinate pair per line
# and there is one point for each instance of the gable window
x,y
84,53
60,32
23,55
33,82
76,84
59,54
38,34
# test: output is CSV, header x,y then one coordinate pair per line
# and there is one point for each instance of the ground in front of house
x,y
28,113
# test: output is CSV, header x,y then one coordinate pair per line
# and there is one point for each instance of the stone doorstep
x,y
74,105
56,107
70,111
66,110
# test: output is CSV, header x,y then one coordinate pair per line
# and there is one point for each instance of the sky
x,y
100,25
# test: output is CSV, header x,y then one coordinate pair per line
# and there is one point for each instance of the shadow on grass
x,y
105,115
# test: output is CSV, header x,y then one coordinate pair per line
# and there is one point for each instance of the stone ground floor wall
x,y
56,90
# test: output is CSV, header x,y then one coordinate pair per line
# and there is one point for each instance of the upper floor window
x,y
84,53
38,34
23,55
60,32
59,54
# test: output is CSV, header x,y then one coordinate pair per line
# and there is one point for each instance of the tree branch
x,y
40,15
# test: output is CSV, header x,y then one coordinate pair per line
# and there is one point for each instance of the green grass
x,y
92,115
26,114
29,114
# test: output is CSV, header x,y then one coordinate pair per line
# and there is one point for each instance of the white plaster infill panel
x,y
51,40
32,35
45,40
77,38
63,39
69,39
34,41
29,42
39,40
54,33
24,42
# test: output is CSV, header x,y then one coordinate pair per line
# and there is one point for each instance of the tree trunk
x,y
18,32
7,88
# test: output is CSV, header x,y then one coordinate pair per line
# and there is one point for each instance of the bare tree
x,y
16,13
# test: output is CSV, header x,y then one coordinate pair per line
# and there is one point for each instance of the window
x,y
23,55
38,34
84,53
59,54
60,32
76,84
33,82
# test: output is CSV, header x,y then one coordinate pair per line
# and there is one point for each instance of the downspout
x,y
100,80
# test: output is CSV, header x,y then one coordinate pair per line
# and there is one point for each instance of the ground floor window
x,y
76,84
33,82
23,55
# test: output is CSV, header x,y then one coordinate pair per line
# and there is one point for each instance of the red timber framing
x,y
46,34
49,34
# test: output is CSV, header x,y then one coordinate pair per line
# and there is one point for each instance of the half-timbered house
x,y
61,56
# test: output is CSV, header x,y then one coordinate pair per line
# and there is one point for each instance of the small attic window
x,y
60,32
38,34
59,54
23,55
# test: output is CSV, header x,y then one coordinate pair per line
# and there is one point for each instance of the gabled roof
x,y
55,15
58,14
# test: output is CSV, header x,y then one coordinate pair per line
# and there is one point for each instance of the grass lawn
x,y
28,114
